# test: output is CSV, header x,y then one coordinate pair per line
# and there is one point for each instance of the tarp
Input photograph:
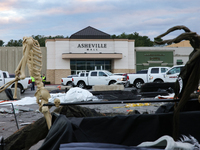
x,y
73,95
117,95
123,130
100,146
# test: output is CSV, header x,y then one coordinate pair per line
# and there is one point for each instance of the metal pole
x,y
13,112
118,102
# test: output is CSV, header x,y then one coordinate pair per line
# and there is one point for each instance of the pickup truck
x,y
68,81
22,84
98,77
154,74
172,74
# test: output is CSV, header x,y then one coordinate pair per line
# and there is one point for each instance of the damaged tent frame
x,y
14,113
119,102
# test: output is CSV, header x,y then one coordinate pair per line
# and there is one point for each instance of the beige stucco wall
x,y
55,75
11,56
61,73
60,51
50,76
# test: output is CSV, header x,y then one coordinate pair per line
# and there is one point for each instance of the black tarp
x,y
116,95
123,130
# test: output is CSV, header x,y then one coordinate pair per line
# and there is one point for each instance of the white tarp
x,y
73,95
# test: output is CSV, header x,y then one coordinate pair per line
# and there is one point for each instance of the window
x,y
163,70
155,70
88,65
4,75
82,74
175,70
142,72
94,73
102,74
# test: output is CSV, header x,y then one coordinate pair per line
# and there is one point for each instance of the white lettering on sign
x,y
92,47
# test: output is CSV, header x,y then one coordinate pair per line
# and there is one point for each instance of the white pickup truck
x,y
68,81
22,84
154,74
172,74
98,77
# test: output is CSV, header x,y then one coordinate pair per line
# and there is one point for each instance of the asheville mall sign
x,y
92,47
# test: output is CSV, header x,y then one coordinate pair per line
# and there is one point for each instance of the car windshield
x,y
108,73
175,70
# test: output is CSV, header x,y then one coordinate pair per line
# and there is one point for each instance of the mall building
x,y
86,50
90,49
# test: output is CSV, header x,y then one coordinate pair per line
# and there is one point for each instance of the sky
x,y
19,18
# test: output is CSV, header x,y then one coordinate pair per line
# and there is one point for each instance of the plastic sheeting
x,y
122,130
73,95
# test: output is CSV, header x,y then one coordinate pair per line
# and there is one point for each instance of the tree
x,y
40,38
139,40
1,43
14,43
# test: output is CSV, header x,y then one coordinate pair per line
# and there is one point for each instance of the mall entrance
x,y
78,66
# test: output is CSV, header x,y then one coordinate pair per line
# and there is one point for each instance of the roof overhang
x,y
92,56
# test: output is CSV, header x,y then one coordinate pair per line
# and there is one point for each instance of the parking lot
x,y
8,124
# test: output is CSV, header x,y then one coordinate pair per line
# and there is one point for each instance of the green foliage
x,y
40,38
1,43
14,43
142,41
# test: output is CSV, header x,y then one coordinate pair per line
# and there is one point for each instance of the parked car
x,y
68,81
127,84
172,74
142,71
12,75
98,77
154,74
22,84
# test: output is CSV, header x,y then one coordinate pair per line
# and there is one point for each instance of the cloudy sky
x,y
150,18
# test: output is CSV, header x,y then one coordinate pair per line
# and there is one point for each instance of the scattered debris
x,y
5,110
24,109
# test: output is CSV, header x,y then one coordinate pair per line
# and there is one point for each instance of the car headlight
x,y
121,79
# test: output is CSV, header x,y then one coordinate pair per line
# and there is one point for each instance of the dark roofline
x,y
92,28
90,33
